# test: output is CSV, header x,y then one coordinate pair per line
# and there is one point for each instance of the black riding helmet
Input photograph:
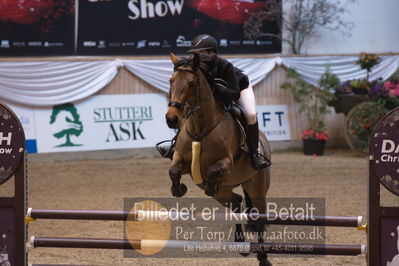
x,y
203,42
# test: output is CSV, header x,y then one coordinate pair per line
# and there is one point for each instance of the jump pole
x,y
104,215
236,247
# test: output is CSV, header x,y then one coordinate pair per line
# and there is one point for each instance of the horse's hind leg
x,y
255,191
229,199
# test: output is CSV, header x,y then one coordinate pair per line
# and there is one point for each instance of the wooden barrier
x,y
237,247
104,215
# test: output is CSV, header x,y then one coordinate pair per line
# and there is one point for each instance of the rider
x,y
230,84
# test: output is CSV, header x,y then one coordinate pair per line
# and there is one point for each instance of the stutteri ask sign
x,y
103,122
107,122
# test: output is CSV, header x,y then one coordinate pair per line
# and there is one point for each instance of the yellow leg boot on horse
x,y
258,161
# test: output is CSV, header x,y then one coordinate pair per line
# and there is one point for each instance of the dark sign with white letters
x,y
143,27
383,218
385,143
12,140
37,27
12,209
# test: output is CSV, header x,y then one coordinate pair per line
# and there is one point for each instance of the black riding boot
x,y
258,161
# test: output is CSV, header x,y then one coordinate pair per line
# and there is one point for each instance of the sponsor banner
x,y
273,121
37,27
26,116
117,122
11,144
160,26
384,148
103,122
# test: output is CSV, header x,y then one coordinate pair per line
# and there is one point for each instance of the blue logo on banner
x,y
31,146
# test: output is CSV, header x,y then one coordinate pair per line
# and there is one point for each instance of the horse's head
x,y
183,85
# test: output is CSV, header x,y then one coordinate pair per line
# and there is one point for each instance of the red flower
x,y
365,125
394,92
312,134
389,85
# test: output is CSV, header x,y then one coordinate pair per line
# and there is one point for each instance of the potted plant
x,y
313,101
392,88
364,117
361,122
349,94
314,142
367,62
353,92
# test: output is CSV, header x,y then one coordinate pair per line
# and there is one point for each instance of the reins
x,y
190,110
202,135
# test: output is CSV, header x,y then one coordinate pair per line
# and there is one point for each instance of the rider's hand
x,y
221,88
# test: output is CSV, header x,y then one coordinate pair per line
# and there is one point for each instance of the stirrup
x,y
255,161
163,150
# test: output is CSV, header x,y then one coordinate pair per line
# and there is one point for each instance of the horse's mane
x,y
183,61
187,61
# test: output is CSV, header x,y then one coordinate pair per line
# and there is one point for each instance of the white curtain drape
x,y
55,82
345,67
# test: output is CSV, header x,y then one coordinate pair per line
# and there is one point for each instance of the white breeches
x,y
247,102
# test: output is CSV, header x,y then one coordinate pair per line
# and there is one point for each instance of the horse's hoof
x,y
179,190
239,238
263,261
211,189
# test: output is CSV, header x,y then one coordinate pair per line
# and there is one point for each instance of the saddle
x,y
237,113
233,108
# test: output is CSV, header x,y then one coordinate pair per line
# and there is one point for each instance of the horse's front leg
x,y
175,173
215,173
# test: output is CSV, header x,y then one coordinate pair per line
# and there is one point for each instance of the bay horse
x,y
208,143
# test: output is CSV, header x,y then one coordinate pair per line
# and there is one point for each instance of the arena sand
x,y
340,176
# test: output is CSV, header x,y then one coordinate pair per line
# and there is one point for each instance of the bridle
x,y
190,108
180,105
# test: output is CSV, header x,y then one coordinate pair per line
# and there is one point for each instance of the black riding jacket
x,y
235,79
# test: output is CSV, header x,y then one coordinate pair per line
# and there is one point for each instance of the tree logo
x,y
71,126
